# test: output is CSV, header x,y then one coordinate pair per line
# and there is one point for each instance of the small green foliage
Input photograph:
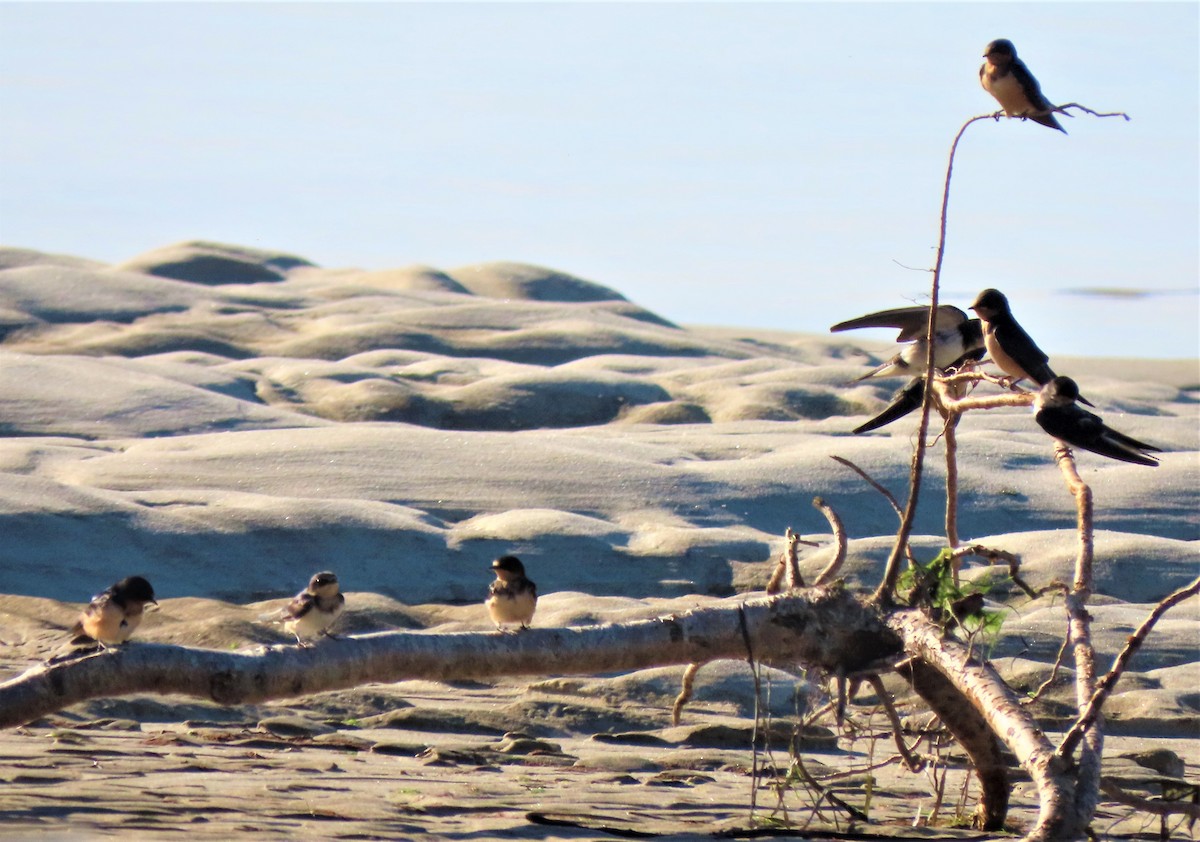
x,y
932,586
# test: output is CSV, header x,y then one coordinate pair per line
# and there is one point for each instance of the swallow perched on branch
x,y
954,337
1057,413
314,610
1007,343
1006,77
957,340
110,618
512,597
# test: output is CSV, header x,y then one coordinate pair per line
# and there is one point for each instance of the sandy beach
x,y
227,421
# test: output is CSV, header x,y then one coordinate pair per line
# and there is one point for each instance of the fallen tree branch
x,y
827,628
992,711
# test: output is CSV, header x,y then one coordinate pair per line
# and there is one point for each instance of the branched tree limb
x,y
1109,682
1087,787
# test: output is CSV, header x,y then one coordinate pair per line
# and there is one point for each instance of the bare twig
x,y
1062,109
973,376
789,563
914,764
988,402
1011,559
887,495
839,535
1109,682
826,794
885,593
1154,806
685,691
950,430
1059,659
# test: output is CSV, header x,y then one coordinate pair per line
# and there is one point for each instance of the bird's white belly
x,y
1009,93
313,623
512,608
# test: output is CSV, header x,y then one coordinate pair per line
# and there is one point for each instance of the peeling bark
x,y
999,707
827,628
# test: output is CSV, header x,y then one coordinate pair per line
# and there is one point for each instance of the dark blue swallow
x,y
1059,415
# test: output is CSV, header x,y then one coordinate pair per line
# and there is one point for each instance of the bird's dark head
x,y
990,302
508,566
323,580
1000,51
1062,390
134,589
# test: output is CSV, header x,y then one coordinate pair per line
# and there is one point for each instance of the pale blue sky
x,y
752,165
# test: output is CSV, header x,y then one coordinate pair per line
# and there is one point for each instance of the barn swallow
x,y
1009,346
909,398
1058,414
110,618
314,610
512,598
1006,77
955,337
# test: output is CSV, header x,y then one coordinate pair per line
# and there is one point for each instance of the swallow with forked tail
x,y
512,597
909,398
1006,78
1057,413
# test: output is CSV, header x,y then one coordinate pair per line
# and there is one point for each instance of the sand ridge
x,y
228,420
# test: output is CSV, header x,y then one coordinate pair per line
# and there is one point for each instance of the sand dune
x,y
228,420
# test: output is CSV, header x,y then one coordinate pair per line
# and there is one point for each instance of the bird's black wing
x,y
1033,92
1080,428
911,321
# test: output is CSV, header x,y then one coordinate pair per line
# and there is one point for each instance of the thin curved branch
x,y
914,764
839,534
685,691
887,495
886,591
1153,806
1063,110
1011,559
